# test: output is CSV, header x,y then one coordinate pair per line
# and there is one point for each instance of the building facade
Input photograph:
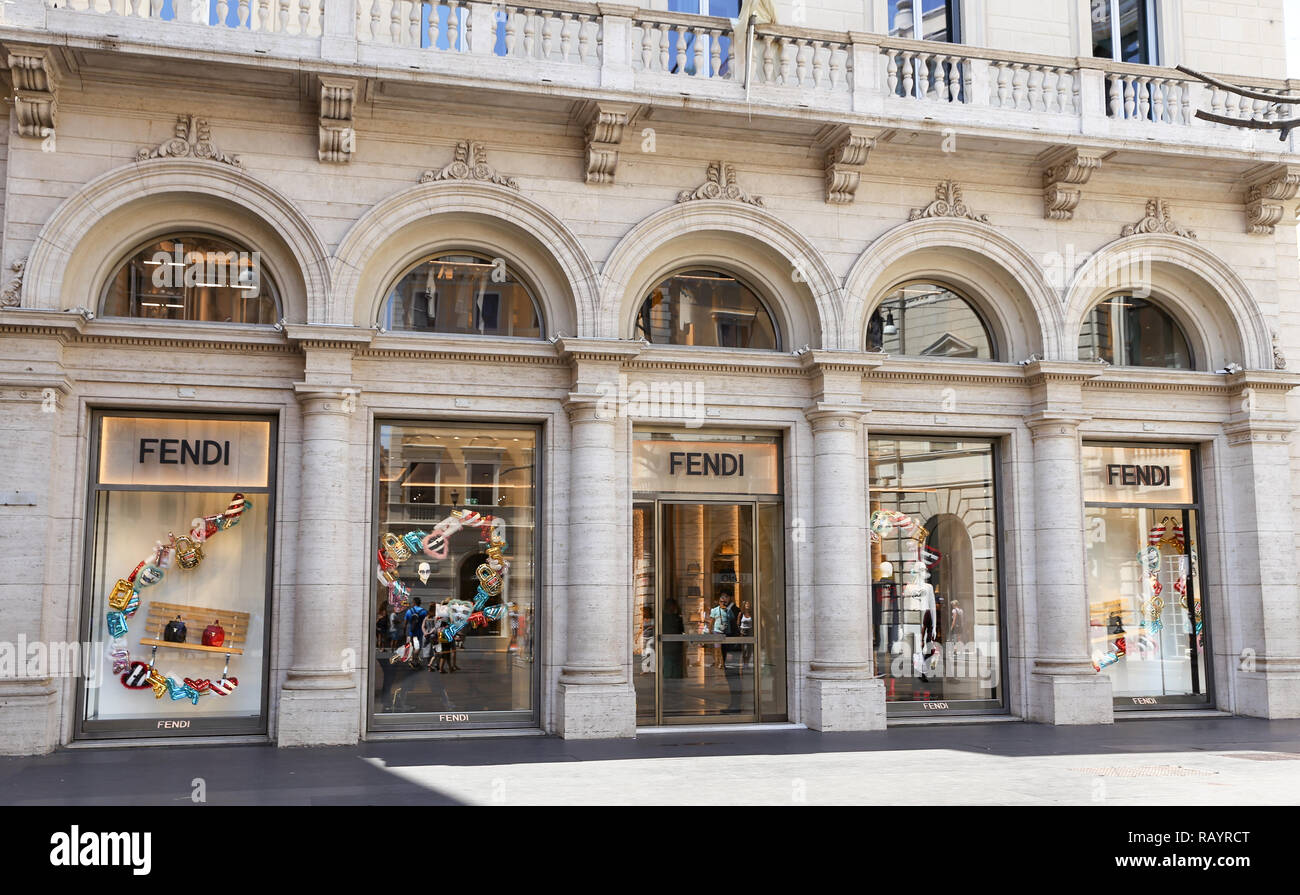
x,y
389,369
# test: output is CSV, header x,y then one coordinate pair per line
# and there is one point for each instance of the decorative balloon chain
x,y
124,601
394,550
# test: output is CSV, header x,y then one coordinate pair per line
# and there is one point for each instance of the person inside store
x,y
674,651
720,617
381,628
730,617
745,623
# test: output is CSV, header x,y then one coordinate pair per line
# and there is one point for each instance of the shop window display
x,y
177,590
934,558
1147,617
454,570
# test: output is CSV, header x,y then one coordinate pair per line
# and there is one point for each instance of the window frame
x,y
763,303
266,279
995,353
954,11
512,269
1152,35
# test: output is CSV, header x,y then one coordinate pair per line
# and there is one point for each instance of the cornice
x,y
471,349
953,371
715,360
324,335
574,349
817,360
1043,371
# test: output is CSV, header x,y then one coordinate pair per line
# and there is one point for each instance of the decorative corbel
x,y
1267,187
1064,169
846,155
338,138
603,124
36,84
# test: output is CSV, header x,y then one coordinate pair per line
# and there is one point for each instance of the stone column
x,y
320,700
1260,644
841,692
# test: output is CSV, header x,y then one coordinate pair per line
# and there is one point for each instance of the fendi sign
x,y
1137,474
184,451
705,467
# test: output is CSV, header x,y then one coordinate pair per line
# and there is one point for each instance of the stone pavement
x,y
1175,761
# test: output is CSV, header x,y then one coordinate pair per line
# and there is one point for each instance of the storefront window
x,y
193,276
928,320
1146,613
706,308
1133,332
934,568
455,595
177,596
462,293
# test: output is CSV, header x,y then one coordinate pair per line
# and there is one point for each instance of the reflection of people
x,y
674,651
415,627
956,623
647,640
746,629
721,619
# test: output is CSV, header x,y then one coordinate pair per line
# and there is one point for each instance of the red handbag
x,y
214,634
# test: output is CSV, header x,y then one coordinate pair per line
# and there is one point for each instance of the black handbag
x,y
175,631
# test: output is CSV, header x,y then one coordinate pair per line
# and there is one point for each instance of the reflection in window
x,y
938,20
193,276
928,320
1132,332
706,308
934,555
1124,30
462,293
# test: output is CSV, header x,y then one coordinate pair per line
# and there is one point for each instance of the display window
x,y
455,584
176,605
935,606
1147,619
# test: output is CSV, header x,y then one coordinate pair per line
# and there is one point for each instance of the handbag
x,y
175,631
214,634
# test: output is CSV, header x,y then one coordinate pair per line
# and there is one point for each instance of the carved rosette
x,y
1265,194
1157,220
1063,171
470,163
1279,359
35,87
948,203
844,162
11,295
720,184
337,137
192,139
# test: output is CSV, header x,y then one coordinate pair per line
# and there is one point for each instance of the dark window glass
x,y
1126,25
193,277
1133,332
928,320
462,294
707,308
938,20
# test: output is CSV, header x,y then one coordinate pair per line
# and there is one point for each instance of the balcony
x,y
615,52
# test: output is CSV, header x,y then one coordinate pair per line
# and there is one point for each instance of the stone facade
x,y
335,200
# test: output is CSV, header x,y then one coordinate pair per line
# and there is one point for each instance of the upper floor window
x,y
706,308
1124,30
193,276
728,9
928,320
937,20
462,293
1133,332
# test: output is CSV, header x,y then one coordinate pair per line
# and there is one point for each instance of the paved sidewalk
x,y
1150,762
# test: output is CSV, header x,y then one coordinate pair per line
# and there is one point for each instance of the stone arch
x,y
740,238
1022,310
93,230
1214,307
445,215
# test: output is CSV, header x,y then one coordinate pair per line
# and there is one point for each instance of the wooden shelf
x,y
232,650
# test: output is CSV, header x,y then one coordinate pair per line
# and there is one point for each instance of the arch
x,y
455,214
981,262
92,230
793,277
1215,308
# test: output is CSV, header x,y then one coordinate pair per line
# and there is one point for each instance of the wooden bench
x,y
197,618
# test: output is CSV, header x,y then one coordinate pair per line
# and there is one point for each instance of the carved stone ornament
x,y
844,162
11,295
1265,194
470,164
1157,220
603,135
1279,359
193,139
1063,171
337,138
35,83
947,203
721,184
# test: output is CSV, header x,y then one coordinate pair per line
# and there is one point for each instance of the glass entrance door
x,y
699,592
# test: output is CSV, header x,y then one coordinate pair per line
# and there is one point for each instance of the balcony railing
x,y
642,53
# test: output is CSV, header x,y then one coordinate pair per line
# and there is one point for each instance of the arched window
x,y
1133,332
193,276
928,320
462,293
706,308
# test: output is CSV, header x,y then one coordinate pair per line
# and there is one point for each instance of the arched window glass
x,y
193,276
1133,332
706,308
462,293
928,320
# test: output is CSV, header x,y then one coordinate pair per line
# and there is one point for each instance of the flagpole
x,y
749,51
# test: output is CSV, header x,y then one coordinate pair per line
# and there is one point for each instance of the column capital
x,y
588,406
315,398
824,415
1055,423
1253,430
